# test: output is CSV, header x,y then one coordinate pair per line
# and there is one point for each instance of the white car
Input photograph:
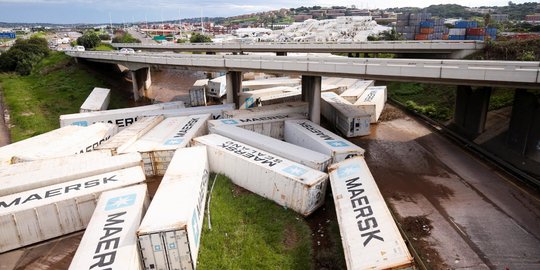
x,y
79,48
127,50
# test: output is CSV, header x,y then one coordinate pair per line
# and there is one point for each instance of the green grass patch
x,y
104,47
55,87
250,232
435,101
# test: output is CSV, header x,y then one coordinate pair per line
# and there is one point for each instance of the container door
x,y
178,251
152,252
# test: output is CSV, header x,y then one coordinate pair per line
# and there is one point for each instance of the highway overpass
x,y
514,74
447,48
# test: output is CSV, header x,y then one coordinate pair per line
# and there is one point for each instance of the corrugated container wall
x,y
130,134
170,233
40,214
98,100
350,120
110,240
370,237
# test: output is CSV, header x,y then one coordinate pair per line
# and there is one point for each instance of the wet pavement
x,y
480,219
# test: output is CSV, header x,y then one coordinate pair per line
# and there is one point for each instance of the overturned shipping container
x,y
312,136
217,111
98,100
348,119
304,156
40,214
287,183
370,237
271,126
270,110
373,98
354,93
130,134
170,233
157,147
110,240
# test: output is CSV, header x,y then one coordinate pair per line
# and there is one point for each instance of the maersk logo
x,y
229,122
172,246
173,141
119,202
295,170
80,123
157,248
348,170
337,144
249,102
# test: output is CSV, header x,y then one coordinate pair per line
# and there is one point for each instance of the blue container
x,y
427,24
491,31
7,35
456,37
475,37
466,24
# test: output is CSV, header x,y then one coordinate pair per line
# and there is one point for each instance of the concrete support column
x,y
234,85
136,95
524,130
311,92
141,80
471,108
148,80
281,53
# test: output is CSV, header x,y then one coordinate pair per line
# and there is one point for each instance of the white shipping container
x,y
197,97
269,83
40,214
370,237
120,117
200,84
285,182
69,168
252,98
170,233
348,119
374,98
304,156
217,87
130,134
354,93
57,143
110,240
158,145
271,126
98,100
217,111
309,135
270,110
457,31
279,98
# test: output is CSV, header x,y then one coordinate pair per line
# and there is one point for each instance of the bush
x,y
89,40
123,37
104,37
199,38
24,55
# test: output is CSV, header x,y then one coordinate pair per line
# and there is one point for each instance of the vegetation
x,y
104,37
518,11
124,37
104,47
89,40
199,38
54,87
511,50
24,55
391,34
250,232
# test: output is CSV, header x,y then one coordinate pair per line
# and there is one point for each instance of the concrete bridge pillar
x,y
234,86
141,80
311,92
471,108
524,130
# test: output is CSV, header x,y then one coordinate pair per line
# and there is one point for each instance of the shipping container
x,y
197,97
457,32
110,240
40,214
271,126
130,134
270,110
476,32
170,233
253,98
64,141
279,98
200,84
309,135
475,38
350,120
98,100
269,83
67,169
353,94
421,37
466,24
304,156
287,183
217,87
217,111
373,99
120,117
370,237
158,145
427,24
424,30
450,37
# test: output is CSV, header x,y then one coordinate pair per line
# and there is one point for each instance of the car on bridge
x,y
127,50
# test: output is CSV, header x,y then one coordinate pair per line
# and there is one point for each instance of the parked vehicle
x,y
127,50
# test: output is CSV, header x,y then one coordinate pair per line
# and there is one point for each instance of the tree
x,y
199,38
24,55
123,37
89,40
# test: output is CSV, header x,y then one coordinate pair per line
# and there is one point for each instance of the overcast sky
x,y
97,11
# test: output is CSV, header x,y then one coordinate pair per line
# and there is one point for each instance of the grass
x,y
104,47
55,87
250,232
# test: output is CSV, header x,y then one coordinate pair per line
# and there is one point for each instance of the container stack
x,y
469,30
420,26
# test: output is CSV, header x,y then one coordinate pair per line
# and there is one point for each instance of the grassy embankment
x,y
54,87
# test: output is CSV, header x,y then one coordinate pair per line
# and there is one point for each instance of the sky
x,y
97,11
